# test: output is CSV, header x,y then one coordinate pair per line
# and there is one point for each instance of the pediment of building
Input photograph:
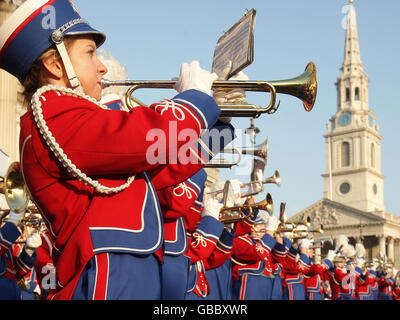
x,y
331,214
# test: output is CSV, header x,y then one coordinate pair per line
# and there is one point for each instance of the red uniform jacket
x,y
107,145
293,268
252,256
314,278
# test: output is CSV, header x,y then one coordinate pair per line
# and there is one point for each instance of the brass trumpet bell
x,y
14,189
304,87
228,216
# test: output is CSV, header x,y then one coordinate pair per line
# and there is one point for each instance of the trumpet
x,y
227,216
260,151
302,234
221,163
304,87
275,179
295,229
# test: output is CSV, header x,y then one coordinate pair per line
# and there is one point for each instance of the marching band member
x,y
294,266
218,268
374,281
345,276
15,263
176,203
365,279
314,278
385,283
252,261
204,234
220,278
81,161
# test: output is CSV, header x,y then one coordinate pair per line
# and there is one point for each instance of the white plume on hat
x,y
360,250
115,72
341,240
349,251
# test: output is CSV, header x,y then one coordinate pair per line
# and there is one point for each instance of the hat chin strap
x,y
72,77
57,37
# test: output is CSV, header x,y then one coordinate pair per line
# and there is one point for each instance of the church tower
x,y
353,143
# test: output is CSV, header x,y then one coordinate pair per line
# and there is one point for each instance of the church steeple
x,y
352,86
353,143
352,59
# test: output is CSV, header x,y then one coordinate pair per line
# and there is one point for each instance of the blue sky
x,y
152,38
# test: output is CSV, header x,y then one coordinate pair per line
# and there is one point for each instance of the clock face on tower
x,y
345,119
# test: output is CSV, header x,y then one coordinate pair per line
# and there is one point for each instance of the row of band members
x,y
136,232
206,259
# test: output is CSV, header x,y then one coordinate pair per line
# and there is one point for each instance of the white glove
x,y
212,208
33,241
236,191
272,223
15,218
374,266
194,77
331,255
360,262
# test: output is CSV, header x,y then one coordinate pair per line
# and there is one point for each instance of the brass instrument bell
x,y
235,214
14,189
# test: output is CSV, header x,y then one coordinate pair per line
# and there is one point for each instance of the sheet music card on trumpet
x,y
236,45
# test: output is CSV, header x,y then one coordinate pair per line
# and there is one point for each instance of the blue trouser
x,y
383,296
277,290
220,282
174,277
129,277
294,291
314,296
252,287
9,289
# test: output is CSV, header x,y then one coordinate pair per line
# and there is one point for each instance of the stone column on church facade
x,y
390,248
317,255
382,243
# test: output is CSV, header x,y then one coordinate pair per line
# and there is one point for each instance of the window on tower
x,y
347,94
345,153
357,94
